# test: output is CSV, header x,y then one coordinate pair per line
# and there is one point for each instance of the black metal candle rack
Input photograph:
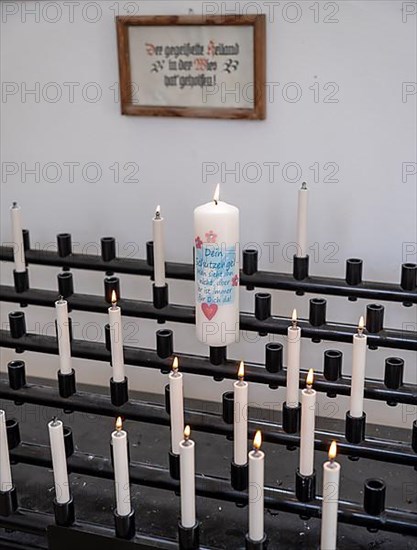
x,y
63,531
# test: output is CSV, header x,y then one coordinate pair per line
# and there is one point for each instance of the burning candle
x,y
59,461
358,371
216,230
302,221
121,469
330,504
158,248
115,321
240,418
293,362
187,480
308,419
17,236
5,471
256,490
176,403
64,343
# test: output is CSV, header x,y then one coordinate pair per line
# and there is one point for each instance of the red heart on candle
x,y
209,310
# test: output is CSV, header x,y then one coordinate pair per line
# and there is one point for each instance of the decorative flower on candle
x,y
257,440
235,280
198,242
211,236
332,451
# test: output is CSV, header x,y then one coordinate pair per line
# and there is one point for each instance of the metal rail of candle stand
x,y
261,279
336,332
218,488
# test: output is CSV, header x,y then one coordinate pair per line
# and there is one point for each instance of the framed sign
x,y
192,66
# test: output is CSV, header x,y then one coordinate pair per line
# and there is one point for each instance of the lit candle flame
x,y
257,440
333,450
175,364
158,212
187,433
119,423
361,325
310,377
113,297
241,371
294,317
216,193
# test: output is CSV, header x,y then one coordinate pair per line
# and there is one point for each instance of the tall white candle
x,y
158,248
293,362
216,238
256,490
121,469
116,339
330,504
176,404
240,419
64,343
59,461
308,420
187,479
5,471
302,221
358,371
17,236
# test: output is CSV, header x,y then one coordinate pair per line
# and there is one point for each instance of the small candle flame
x,y
257,440
175,364
333,450
113,297
187,433
294,318
216,193
119,423
158,212
241,371
310,377
361,323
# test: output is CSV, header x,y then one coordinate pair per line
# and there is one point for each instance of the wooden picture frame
x,y
167,74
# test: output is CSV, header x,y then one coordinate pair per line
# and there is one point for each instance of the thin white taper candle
x,y
59,461
176,405
158,248
5,471
358,371
17,236
302,221
240,419
187,480
308,420
330,503
116,338
121,469
64,343
293,362
256,489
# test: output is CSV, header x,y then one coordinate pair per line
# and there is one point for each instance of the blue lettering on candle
x,y
216,274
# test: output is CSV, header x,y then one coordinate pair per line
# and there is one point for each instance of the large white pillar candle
x,y
17,236
116,339
240,419
59,461
358,371
216,238
187,479
308,420
5,471
293,362
121,469
176,404
256,489
158,248
330,504
64,343
302,221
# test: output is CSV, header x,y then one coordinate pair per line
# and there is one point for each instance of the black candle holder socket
x,y
17,374
256,544
111,284
150,257
174,465
218,355
107,338
262,308
250,264
305,486
26,239
355,428
374,496
332,370
167,394
228,403
64,513
291,417
189,537
124,526
17,324
408,276
58,335
300,269
13,433
164,343
65,284
108,248
414,437
354,272
66,384
394,375
8,502
317,314
119,392
273,359
68,441
64,243
374,318
21,280
239,476
160,296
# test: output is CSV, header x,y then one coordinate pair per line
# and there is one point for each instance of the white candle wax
x,y
216,238
293,365
116,338
240,420
5,471
302,221
59,461
17,236
121,471
64,343
176,401
187,481
358,375
330,504
256,494
308,420
158,248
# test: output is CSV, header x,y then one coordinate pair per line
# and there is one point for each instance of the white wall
x,y
368,133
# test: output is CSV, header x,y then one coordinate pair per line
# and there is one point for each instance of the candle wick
x,y
304,185
215,202
14,204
